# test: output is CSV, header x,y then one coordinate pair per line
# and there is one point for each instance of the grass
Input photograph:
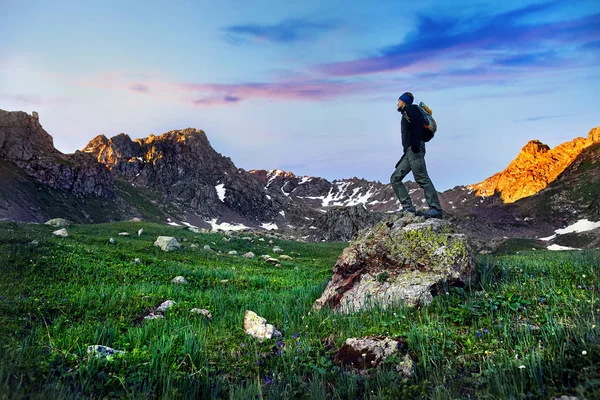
x,y
528,329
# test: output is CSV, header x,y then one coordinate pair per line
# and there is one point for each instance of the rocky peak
x,y
534,168
22,137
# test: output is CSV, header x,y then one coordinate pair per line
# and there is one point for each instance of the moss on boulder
x,y
417,257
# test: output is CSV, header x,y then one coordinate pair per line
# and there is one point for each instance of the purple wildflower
x,y
243,344
267,381
295,335
279,353
478,334
485,331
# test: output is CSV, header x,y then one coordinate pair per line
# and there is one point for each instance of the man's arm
x,y
416,119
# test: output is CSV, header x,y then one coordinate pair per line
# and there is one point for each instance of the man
x,y
413,160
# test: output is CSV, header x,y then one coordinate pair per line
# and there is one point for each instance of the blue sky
x,y
309,87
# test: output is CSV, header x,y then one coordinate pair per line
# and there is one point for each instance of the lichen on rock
x,y
403,259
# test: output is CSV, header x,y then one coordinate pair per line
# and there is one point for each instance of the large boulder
x,y
403,259
167,243
58,222
372,351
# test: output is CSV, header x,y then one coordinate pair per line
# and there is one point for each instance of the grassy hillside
x,y
529,329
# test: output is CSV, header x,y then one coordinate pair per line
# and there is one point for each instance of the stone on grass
x,y
137,261
103,351
140,231
154,316
371,351
124,234
111,240
403,259
277,249
34,243
258,327
165,306
58,222
248,255
193,246
202,311
61,232
272,261
232,253
285,257
179,279
207,248
193,229
167,243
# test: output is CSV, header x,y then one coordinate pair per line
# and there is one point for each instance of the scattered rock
x,y
248,255
194,229
123,233
111,240
184,240
153,316
257,327
165,306
233,253
167,243
224,280
368,352
247,238
270,242
406,367
140,231
103,351
261,240
272,261
137,261
193,246
202,311
277,249
58,222
61,232
207,248
34,243
179,279
265,257
402,259
285,257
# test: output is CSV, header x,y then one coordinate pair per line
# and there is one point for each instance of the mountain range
x,y
178,178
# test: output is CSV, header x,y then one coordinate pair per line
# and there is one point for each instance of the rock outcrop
x,y
25,143
372,351
340,224
403,259
534,168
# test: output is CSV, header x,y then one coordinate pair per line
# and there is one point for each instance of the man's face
x,y
401,105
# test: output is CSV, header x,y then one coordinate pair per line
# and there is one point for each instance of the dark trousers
x,y
414,162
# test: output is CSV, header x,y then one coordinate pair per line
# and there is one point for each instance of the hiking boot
x,y
411,210
432,213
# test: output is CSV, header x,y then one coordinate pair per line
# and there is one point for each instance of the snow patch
x,y
269,225
305,179
173,224
220,191
188,224
556,247
225,226
583,225
282,213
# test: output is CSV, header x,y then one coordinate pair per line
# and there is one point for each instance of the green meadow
x,y
527,329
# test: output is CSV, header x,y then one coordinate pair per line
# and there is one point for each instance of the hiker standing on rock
x,y
413,159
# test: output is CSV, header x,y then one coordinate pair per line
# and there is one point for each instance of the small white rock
x,y
61,232
202,311
232,253
207,248
140,231
179,279
123,233
165,306
112,240
248,255
137,261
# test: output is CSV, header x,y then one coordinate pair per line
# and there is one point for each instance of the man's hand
x,y
415,149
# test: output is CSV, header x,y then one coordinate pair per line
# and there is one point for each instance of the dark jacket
x,y
412,132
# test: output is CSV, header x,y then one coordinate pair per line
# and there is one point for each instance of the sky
x,y
309,87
